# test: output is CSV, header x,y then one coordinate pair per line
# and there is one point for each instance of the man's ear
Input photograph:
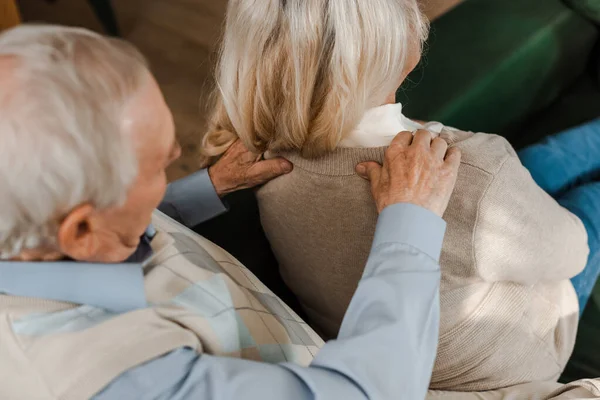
x,y
76,235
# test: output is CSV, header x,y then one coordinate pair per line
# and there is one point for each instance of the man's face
x,y
115,232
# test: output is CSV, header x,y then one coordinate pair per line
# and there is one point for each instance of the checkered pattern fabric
x,y
241,316
198,296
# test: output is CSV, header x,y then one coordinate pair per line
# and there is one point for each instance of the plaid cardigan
x,y
199,296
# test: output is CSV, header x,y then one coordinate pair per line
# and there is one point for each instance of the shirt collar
x,y
115,287
380,125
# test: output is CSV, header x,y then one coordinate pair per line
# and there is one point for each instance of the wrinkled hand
x,y
416,170
240,169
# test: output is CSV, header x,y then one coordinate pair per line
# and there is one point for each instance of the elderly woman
x,y
312,82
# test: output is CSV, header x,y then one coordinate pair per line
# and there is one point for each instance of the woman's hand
x,y
240,169
416,170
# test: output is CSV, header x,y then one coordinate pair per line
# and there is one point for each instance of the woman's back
x,y
320,221
506,303
298,76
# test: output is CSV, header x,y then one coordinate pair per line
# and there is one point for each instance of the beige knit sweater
x,y
508,311
583,389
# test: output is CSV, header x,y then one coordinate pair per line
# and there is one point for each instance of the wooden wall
x,y
9,15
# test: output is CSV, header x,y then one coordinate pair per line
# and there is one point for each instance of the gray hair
x,y
300,74
61,137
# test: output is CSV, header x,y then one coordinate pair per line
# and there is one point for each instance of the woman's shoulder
x,y
485,151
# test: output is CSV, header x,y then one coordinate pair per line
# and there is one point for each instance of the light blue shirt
x,y
192,200
386,346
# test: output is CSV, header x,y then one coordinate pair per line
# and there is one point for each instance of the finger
x,y
264,171
240,153
439,147
453,157
422,138
369,170
403,139
237,147
245,156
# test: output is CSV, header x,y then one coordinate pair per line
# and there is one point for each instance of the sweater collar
x,y
367,142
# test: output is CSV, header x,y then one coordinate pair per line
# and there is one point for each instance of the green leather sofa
x,y
588,8
496,66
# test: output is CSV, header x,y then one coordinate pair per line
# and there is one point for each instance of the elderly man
x,y
97,303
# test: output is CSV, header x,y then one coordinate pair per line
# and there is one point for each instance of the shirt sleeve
x,y
386,347
192,200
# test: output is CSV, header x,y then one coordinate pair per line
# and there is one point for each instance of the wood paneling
x,y
9,15
436,8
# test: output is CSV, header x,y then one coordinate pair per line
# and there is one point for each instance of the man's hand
x,y
240,169
416,170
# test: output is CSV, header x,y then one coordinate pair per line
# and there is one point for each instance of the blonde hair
x,y
62,144
299,74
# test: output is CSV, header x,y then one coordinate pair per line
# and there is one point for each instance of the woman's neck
x,y
391,99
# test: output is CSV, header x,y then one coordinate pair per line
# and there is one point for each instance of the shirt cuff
x,y
412,225
194,199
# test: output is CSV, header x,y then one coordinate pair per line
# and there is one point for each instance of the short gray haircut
x,y
61,137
